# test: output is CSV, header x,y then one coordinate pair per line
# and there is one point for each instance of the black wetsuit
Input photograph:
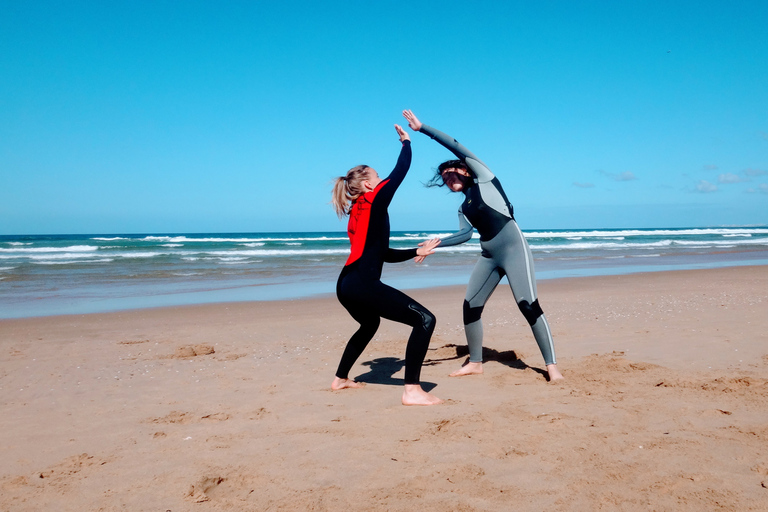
x,y
360,289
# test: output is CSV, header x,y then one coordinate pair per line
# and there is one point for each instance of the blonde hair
x,y
346,189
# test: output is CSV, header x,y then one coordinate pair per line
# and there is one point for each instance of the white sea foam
x,y
701,244
278,252
185,239
71,261
62,256
646,233
71,248
140,254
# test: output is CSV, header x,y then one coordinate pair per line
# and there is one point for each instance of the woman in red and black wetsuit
x,y
365,197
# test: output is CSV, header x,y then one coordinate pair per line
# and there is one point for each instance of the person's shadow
x,y
382,370
507,358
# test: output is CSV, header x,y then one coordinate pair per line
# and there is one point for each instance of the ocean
x,y
78,274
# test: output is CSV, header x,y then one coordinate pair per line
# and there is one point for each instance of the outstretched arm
x,y
462,235
424,250
481,171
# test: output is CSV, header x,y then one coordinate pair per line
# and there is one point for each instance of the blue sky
x,y
136,117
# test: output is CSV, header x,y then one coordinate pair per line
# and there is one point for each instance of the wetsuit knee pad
x,y
428,320
531,312
472,314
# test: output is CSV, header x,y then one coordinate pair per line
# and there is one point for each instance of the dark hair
x,y
437,179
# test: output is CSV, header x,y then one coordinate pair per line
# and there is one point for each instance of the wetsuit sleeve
x,y
462,235
398,255
480,170
397,175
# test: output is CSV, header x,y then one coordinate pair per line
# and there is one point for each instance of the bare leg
x,y
468,369
554,373
338,384
415,395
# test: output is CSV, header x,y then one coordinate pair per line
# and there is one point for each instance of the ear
x,y
366,186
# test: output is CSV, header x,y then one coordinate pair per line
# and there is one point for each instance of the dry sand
x,y
228,406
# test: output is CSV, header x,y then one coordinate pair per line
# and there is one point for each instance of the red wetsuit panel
x,y
359,219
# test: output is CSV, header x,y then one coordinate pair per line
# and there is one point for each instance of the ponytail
x,y
346,189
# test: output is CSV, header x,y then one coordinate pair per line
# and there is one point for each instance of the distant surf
x,y
74,274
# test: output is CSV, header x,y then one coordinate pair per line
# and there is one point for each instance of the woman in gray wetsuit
x,y
504,248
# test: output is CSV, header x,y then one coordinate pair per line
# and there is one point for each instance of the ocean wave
x,y
72,261
71,248
647,233
586,246
701,244
140,254
277,252
62,256
186,239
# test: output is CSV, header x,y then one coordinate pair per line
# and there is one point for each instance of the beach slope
x,y
228,406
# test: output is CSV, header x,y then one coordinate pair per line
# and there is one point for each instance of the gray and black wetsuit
x,y
504,252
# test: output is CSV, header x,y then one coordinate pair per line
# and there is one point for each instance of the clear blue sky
x,y
189,116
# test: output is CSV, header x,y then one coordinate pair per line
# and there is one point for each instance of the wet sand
x,y
229,407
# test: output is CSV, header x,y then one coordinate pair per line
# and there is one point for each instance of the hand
x,y
425,249
403,136
413,121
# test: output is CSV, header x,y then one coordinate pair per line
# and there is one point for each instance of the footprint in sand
x,y
188,351
199,492
183,418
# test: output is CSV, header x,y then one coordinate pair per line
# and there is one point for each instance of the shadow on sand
x,y
383,368
507,358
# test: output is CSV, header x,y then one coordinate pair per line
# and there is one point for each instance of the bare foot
x,y
414,395
338,384
554,373
468,369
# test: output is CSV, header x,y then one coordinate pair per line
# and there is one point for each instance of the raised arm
x,y
481,171
396,177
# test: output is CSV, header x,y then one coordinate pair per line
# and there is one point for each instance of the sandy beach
x,y
229,407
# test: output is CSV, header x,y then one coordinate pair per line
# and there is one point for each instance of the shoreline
x,y
406,281
228,406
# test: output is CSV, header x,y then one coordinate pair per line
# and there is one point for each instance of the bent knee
x,y
531,311
428,320
472,314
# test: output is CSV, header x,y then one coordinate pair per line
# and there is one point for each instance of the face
x,y
373,180
454,178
